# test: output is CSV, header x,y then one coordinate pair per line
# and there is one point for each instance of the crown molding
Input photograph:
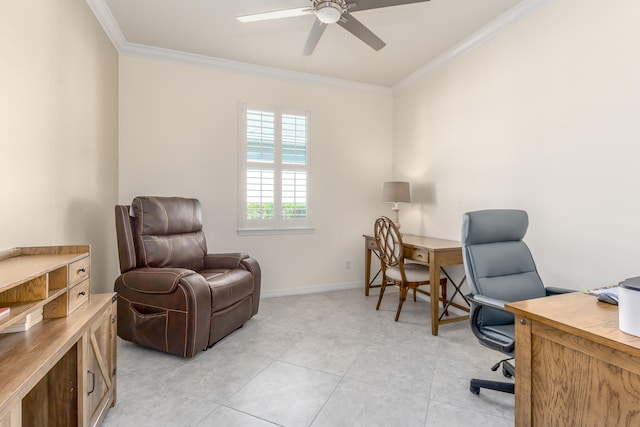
x,y
133,49
108,22
516,14
105,18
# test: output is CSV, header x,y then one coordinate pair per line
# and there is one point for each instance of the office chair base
x,y
475,385
508,370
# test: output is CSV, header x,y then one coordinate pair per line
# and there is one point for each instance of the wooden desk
x,y
574,367
430,251
61,369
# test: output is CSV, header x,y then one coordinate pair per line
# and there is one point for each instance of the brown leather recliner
x,y
172,295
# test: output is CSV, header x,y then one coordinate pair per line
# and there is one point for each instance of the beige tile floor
x,y
320,360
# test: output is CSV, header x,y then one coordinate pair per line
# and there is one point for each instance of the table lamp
x,y
396,192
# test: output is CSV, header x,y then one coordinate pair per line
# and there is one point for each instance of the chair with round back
x,y
394,269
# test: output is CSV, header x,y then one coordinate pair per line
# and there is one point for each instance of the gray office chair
x,y
499,269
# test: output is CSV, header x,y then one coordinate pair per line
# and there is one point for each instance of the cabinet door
x,y
13,418
101,367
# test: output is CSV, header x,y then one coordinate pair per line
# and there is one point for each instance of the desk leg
x,y
523,362
367,268
434,279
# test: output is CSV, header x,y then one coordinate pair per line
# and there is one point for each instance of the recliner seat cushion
x,y
227,287
169,232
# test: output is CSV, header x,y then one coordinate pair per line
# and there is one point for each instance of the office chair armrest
x,y
552,290
495,340
489,302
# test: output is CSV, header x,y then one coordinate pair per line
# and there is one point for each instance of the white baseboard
x,y
337,287
312,290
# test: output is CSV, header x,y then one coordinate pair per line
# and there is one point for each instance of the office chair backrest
x,y
497,262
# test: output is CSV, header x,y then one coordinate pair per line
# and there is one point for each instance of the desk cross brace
x,y
457,291
376,275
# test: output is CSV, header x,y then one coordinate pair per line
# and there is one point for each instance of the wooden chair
x,y
394,270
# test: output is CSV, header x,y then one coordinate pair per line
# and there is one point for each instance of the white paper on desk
x,y
598,291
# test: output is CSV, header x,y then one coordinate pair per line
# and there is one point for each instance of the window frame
x,y
278,224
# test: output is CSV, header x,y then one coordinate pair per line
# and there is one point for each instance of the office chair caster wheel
x,y
474,390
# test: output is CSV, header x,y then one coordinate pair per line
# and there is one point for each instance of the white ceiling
x,y
415,34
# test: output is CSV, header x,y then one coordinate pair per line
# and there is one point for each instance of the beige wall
x,y
58,130
179,136
544,117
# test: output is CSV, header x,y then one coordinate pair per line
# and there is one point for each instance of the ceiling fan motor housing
x,y
329,11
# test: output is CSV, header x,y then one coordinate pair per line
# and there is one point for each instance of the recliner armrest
x,y
251,265
168,309
154,280
552,290
224,260
490,302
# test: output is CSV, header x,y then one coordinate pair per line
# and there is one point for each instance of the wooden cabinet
x,y
58,371
39,280
100,358
574,366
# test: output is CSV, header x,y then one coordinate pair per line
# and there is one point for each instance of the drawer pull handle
x,y
82,270
81,293
93,382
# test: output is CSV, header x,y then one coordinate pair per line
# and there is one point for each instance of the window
x,y
275,169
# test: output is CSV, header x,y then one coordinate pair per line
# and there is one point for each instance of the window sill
x,y
274,231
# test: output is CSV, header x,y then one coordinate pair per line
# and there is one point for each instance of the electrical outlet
x,y
347,264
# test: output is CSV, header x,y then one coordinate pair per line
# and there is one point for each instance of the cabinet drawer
x,y
416,254
79,294
371,244
79,270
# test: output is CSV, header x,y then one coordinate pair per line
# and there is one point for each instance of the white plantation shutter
x,y
294,194
294,139
260,134
274,169
260,193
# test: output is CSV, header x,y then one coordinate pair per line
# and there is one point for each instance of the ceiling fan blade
x,y
285,13
314,36
377,4
357,28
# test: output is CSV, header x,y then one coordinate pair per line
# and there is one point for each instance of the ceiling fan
x,y
330,12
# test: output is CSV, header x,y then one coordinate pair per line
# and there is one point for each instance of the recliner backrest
x,y
125,224
167,232
497,262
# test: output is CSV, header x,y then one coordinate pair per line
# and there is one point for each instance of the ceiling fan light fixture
x,y
329,11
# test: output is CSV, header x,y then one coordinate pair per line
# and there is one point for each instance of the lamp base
x,y
396,221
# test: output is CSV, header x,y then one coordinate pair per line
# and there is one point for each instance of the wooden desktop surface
x,y
580,314
574,367
432,243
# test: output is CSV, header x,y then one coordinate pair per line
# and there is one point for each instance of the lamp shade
x,y
396,191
